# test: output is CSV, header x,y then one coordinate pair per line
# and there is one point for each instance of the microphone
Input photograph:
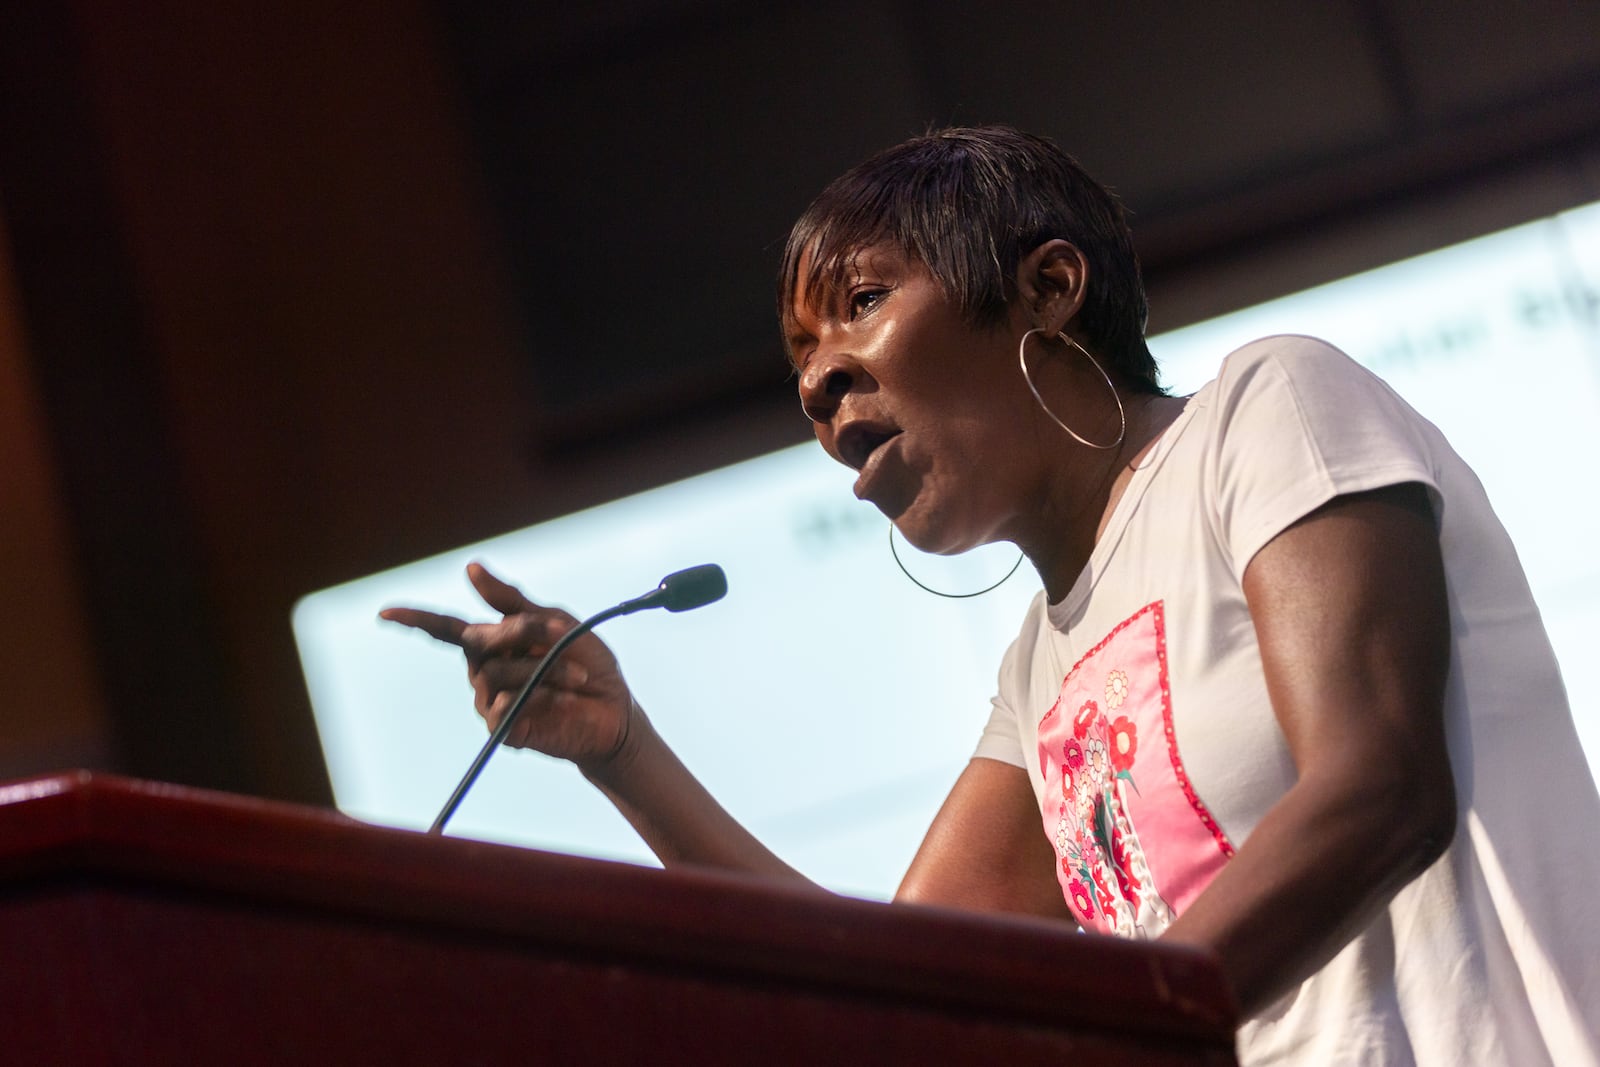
x,y
682,590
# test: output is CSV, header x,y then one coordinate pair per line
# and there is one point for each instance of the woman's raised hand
x,y
582,709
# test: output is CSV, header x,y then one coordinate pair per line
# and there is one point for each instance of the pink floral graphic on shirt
x,y
1106,771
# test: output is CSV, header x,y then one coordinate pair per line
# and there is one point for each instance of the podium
x,y
144,923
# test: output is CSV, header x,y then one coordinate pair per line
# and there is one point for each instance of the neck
x,y
1084,491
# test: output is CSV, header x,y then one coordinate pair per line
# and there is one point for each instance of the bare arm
x,y
987,850
1350,611
675,814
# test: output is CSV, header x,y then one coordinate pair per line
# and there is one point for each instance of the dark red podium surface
x,y
150,924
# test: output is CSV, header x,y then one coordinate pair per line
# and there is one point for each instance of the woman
x,y
1284,695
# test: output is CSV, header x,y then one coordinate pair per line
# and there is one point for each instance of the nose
x,y
825,381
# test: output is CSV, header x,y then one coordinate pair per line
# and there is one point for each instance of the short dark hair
x,y
969,203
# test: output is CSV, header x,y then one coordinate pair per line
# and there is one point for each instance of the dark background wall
x,y
291,295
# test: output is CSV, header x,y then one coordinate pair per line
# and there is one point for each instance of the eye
x,y
864,300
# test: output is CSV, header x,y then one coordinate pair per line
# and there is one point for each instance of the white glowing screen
x,y
827,701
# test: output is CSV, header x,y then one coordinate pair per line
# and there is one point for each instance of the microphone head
x,y
693,588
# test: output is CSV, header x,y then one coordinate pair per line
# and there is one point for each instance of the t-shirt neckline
x,y
1061,611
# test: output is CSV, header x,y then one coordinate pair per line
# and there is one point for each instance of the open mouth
x,y
858,441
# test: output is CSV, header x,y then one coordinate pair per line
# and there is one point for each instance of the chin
x,y
934,538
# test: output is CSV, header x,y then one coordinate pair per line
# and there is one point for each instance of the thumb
x,y
503,597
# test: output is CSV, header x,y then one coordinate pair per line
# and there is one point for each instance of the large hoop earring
x,y
948,596
1022,359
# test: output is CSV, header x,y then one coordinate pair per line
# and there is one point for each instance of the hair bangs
x,y
828,238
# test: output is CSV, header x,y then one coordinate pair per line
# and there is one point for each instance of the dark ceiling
x,y
644,159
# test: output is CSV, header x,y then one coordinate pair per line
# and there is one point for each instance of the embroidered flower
x,y
1124,743
1095,757
1116,689
1085,718
1082,901
1072,753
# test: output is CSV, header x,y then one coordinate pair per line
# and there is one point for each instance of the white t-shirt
x,y
1138,706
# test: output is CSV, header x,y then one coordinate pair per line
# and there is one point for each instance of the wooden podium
x,y
152,924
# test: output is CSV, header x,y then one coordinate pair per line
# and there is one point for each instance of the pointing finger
x,y
446,628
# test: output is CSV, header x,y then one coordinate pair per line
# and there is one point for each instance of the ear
x,y
1051,284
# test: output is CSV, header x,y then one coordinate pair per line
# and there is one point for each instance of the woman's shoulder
x,y
1309,366
1288,350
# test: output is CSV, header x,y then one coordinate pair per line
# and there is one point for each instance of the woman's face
x,y
931,412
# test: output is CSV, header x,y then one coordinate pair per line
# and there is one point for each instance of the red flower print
x,y
1101,888
1128,886
1124,743
1110,713
1084,719
1082,902
1116,689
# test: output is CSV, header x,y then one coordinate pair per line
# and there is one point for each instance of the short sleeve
x,y
1002,735
1299,423
1001,739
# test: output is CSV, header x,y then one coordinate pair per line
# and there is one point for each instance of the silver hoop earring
x,y
1022,359
936,592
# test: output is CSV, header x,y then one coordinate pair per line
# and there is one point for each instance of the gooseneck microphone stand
x,y
680,591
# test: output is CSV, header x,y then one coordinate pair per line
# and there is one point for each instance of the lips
x,y
874,484
859,441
